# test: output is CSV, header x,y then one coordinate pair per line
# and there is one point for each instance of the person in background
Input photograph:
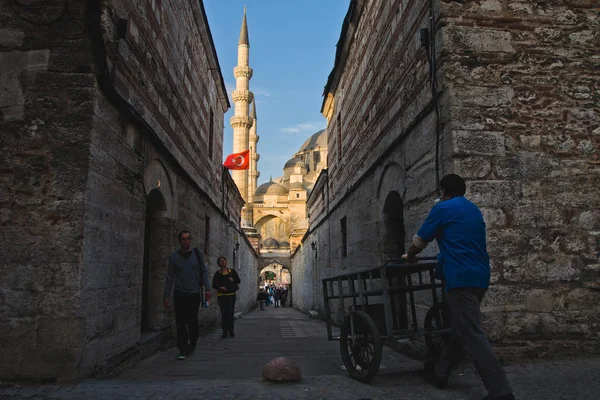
x,y
459,229
189,273
226,282
262,298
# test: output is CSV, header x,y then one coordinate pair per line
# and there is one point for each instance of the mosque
x,y
274,216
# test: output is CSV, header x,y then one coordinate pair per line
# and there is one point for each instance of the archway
x,y
394,247
273,227
393,226
157,245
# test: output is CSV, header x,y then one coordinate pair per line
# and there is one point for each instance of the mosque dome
x,y
297,186
270,188
271,243
318,139
294,162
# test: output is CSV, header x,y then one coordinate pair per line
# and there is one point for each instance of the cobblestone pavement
x,y
231,369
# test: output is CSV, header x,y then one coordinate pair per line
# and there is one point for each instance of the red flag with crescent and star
x,y
238,160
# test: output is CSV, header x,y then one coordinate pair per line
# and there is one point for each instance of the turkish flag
x,y
238,160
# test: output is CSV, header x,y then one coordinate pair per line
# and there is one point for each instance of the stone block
x,y
478,143
472,167
538,215
59,333
494,194
474,39
477,96
539,300
17,333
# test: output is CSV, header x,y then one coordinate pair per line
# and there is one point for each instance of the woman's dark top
x,y
223,280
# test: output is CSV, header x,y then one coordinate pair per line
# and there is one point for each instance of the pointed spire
x,y
244,31
253,111
271,178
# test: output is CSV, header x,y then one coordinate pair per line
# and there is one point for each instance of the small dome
x,y
297,186
284,244
270,188
271,243
318,139
294,162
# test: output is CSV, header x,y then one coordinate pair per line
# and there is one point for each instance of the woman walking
x,y
226,282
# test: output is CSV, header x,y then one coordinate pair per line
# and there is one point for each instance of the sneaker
x,y
231,334
181,356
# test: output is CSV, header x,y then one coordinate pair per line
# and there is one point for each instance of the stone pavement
x,y
231,369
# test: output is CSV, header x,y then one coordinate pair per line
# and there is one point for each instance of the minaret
x,y
241,121
254,156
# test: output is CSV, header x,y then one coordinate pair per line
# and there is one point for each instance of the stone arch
x,y
392,178
269,226
157,246
157,177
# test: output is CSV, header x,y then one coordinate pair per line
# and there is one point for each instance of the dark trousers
x,y
186,319
468,336
227,305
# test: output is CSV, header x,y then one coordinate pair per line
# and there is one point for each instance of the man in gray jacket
x,y
189,273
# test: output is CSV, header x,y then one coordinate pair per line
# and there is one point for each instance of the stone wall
x,y
518,119
106,157
47,92
526,133
384,177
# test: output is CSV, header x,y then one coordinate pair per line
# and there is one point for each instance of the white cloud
x,y
300,128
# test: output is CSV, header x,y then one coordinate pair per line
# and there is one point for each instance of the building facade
x,y
111,124
502,93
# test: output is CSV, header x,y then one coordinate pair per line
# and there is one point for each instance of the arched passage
x,y
273,227
157,245
393,225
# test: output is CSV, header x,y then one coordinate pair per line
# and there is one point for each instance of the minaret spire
x,y
244,31
241,122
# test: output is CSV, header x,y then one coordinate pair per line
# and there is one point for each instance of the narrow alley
x,y
231,369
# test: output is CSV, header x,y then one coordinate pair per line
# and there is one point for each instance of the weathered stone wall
x,y
526,133
94,177
518,97
47,92
383,102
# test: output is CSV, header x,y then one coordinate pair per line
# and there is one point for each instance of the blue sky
x,y
292,49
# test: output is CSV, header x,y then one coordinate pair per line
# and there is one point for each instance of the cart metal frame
x,y
380,314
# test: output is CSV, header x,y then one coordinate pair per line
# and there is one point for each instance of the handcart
x,y
389,305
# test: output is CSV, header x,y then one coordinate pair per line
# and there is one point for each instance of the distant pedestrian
x,y
262,298
459,229
226,282
189,273
277,297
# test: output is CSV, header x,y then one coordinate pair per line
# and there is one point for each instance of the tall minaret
x,y
241,121
254,156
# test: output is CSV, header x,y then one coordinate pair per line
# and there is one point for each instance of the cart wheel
x,y
361,352
434,320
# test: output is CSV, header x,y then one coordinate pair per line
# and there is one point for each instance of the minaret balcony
x,y
240,121
257,157
242,71
242,95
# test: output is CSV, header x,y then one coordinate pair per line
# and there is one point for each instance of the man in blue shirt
x,y
459,229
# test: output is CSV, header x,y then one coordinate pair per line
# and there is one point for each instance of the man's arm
x,y
426,234
417,246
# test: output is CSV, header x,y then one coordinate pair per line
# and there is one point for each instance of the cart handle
x,y
403,260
